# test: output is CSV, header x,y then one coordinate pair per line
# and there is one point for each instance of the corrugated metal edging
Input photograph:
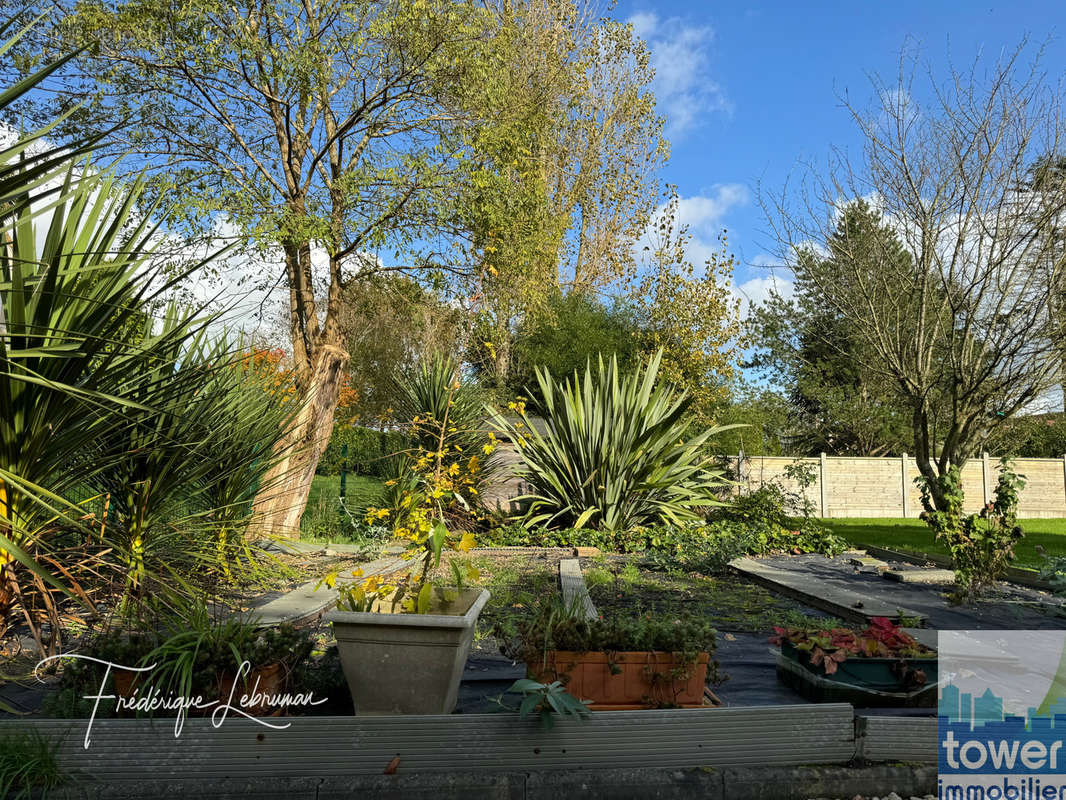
x,y
320,746
897,738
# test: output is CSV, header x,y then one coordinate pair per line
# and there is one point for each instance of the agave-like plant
x,y
437,400
613,452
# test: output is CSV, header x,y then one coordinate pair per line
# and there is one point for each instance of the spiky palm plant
x,y
614,452
94,395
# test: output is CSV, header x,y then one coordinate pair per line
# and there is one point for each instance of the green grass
x,y
28,765
915,536
322,519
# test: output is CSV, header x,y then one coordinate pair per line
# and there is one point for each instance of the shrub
x,y
779,519
517,534
981,545
450,450
615,452
432,496
1053,571
706,549
189,652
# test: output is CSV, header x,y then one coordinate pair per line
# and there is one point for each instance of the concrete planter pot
x,y
407,663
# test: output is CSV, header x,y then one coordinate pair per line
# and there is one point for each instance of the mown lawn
x,y
321,519
915,536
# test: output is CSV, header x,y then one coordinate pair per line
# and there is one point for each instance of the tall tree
x,y
317,129
595,151
837,403
1046,179
689,312
574,330
963,326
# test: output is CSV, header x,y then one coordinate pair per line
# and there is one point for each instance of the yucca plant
x,y
437,400
614,451
90,389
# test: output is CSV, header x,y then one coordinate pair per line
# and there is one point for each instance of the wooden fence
x,y
846,486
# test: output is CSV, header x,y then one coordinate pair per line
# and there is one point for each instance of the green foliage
x,y
553,625
28,766
784,518
981,545
838,404
1053,570
1036,436
759,522
546,700
616,452
370,451
519,534
761,420
448,441
569,333
190,654
706,549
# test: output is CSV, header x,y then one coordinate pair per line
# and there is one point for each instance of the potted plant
x,y
880,665
403,641
644,662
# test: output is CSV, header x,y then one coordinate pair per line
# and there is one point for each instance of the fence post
x,y
822,486
903,480
1064,478
984,476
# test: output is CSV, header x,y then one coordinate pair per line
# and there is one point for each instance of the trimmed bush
x,y
370,452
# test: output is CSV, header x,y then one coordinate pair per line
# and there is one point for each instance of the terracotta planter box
x,y
407,663
648,679
271,682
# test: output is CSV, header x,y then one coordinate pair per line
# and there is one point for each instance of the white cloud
x,y
680,55
757,290
706,213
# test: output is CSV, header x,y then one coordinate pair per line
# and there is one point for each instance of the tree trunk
x,y
282,498
925,456
502,363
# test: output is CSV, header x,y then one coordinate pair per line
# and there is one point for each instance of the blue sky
x,y
752,89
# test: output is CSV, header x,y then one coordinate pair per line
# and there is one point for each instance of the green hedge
x,y
369,451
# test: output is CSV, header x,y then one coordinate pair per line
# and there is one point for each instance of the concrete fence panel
x,y
853,486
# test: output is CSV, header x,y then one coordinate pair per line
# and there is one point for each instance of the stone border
x,y
842,603
749,783
1024,577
